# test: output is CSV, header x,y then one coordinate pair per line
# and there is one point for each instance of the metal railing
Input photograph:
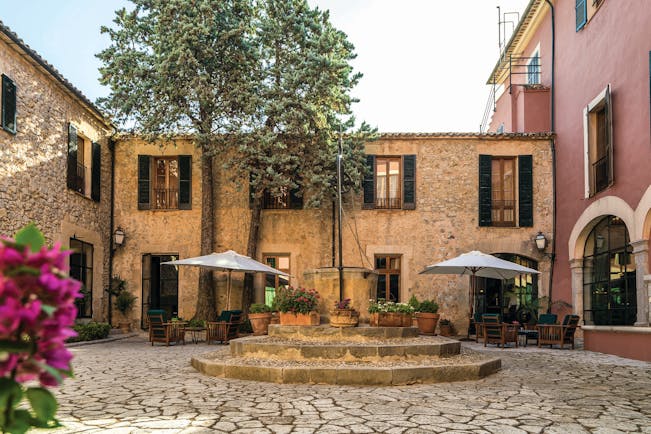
x,y
166,198
275,202
388,203
79,182
491,106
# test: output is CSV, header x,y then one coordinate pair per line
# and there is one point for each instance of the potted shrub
x,y
427,316
389,314
343,315
445,327
260,317
124,303
297,306
413,302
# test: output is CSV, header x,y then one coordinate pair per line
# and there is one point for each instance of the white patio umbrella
x,y
228,261
478,264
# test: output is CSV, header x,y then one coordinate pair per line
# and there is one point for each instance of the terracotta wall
x,y
630,345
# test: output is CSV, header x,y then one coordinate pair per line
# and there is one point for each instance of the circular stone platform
x,y
351,356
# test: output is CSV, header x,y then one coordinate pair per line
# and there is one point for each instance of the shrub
x,y
381,305
428,306
259,308
124,301
91,331
413,302
195,322
296,300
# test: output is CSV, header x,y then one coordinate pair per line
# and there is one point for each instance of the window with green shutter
x,y
144,175
390,182
581,8
369,183
165,182
8,105
409,182
485,206
525,190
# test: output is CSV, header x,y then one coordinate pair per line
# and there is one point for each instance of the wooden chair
x,y
497,332
224,331
162,331
558,334
479,323
543,319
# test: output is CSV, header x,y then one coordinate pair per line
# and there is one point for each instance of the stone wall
x,y
34,160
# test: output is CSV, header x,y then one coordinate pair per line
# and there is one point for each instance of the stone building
x,y
423,206
560,73
55,167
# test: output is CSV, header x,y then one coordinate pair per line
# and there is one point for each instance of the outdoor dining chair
x,y
225,330
162,331
558,334
497,332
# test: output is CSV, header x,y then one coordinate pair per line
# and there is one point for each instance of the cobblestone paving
x,y
128,386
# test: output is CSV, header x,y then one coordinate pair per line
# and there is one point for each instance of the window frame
x,y
534,68
387,272
601,103
276,257
388,159
153,194
583,4
502,209
5,100
85,270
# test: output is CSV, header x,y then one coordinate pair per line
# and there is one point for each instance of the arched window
x,y
609,293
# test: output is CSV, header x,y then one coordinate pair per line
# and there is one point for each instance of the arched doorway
x,y
609,288
507,297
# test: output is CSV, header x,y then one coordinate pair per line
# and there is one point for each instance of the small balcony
x,y
166,198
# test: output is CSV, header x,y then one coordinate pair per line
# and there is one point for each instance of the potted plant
x,y
413,302
445,327
389,314
124,302
297,306
260,317
427,316
343,315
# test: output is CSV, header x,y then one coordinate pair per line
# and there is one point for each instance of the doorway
x,y
160,286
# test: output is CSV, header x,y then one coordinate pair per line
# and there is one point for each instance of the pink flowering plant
x,y
37,311
296,300
343,304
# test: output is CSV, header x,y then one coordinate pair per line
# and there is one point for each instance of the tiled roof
x,y
36,58
542,135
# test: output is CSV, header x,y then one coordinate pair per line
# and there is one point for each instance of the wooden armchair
x,y
497,332
224,331
558,334
162,331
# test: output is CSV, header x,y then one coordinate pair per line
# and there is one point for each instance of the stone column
x,y
641,253
576,270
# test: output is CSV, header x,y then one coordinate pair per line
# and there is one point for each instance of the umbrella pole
x,y
228,291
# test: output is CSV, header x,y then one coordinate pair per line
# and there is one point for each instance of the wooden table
x,y
194,333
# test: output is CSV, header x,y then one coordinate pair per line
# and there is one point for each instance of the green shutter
x,y
409,182
369,183
72,178
485,202
295,198
144,168
185,182
8,105
96,171
525,190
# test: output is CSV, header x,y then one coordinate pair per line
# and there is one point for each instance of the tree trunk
x,y
252,249
206,306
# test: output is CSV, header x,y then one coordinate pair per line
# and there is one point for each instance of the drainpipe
x,y
552,143
111,145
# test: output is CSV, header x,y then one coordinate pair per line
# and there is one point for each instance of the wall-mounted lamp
x,y
541,241
600,241
118,237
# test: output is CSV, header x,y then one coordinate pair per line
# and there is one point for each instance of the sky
x,y
425,62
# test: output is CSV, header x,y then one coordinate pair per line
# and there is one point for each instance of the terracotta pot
x,y
344,318
390,319
427,322
260,322
125,327
275,318
300,319
445,330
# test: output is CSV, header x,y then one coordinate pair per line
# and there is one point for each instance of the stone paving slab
x,y
128,386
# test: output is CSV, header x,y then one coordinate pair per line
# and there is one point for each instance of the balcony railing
x,y
275,202
388,203
600,170
503,212
166,198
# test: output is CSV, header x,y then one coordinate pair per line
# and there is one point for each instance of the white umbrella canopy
x,y
227,261
478,264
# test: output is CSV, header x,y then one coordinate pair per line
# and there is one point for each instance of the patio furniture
x,y
224,331
479,322
162,331
497,332
543,319
194,333
558,334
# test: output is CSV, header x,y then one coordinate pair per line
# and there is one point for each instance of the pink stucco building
x,y
582,69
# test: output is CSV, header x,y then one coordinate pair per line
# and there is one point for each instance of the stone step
x,y
326,333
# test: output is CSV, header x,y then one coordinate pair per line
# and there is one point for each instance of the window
x,y
533,69
81,268
84,164
288,199
581,8
609,287
390,182
598,143
273,281
164,182
8,105
499,203
388,281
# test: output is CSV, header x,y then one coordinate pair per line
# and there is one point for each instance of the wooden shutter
x,y
8,104
96,171
609,125
525,190
144,168
295,200
185,182
581,8
485,178
72,157
409,182
369,183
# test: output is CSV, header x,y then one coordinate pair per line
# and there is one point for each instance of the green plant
x,y
428,306
90,332
413,302
124,301
259,308
195,322
296,300
381,305
528,311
